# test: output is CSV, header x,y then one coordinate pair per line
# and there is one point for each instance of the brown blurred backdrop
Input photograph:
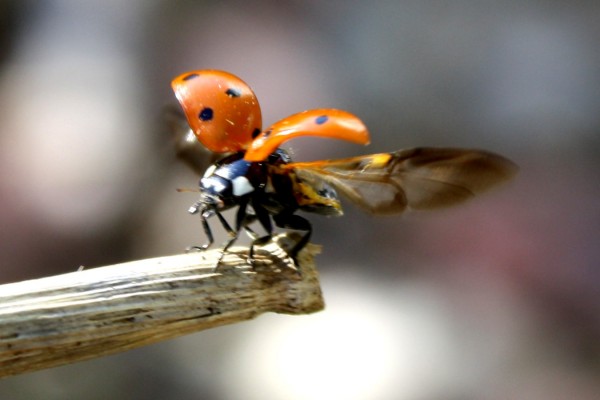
x,y
496,299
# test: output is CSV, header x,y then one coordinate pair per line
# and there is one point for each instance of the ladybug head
x,y
225,183
221,109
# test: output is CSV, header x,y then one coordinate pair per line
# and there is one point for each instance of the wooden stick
x,y
81,315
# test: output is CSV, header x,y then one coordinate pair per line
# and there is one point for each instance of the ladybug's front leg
x,y
204,215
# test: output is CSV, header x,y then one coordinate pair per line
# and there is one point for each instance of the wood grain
x,y
81,315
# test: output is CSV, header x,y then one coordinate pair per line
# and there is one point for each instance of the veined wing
x,y
419,179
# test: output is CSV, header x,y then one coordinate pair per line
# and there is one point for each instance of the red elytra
x,y
221,109
225,116
324,122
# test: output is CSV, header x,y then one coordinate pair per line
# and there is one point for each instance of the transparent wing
x,y
419,179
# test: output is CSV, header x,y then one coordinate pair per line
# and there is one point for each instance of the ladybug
x,y
259,178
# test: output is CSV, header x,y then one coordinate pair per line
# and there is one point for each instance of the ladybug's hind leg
x,y
295,222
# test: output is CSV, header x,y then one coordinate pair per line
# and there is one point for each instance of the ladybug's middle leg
x,y
240,217
264,218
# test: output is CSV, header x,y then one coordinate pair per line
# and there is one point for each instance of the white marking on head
x,y
209,171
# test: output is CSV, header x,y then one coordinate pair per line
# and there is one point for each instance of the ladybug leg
x,y
296,222
264,218
204,215
233,234
250,218
250,232
207,232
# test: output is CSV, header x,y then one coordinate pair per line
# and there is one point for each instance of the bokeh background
x,y
492,300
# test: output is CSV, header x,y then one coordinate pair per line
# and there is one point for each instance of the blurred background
x,y
492,300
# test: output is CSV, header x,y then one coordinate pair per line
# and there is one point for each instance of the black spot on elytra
x,y
233,92
267,133
255,133
190,76
206,114
321,120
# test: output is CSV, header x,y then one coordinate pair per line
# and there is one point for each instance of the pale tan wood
x,y
81,315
